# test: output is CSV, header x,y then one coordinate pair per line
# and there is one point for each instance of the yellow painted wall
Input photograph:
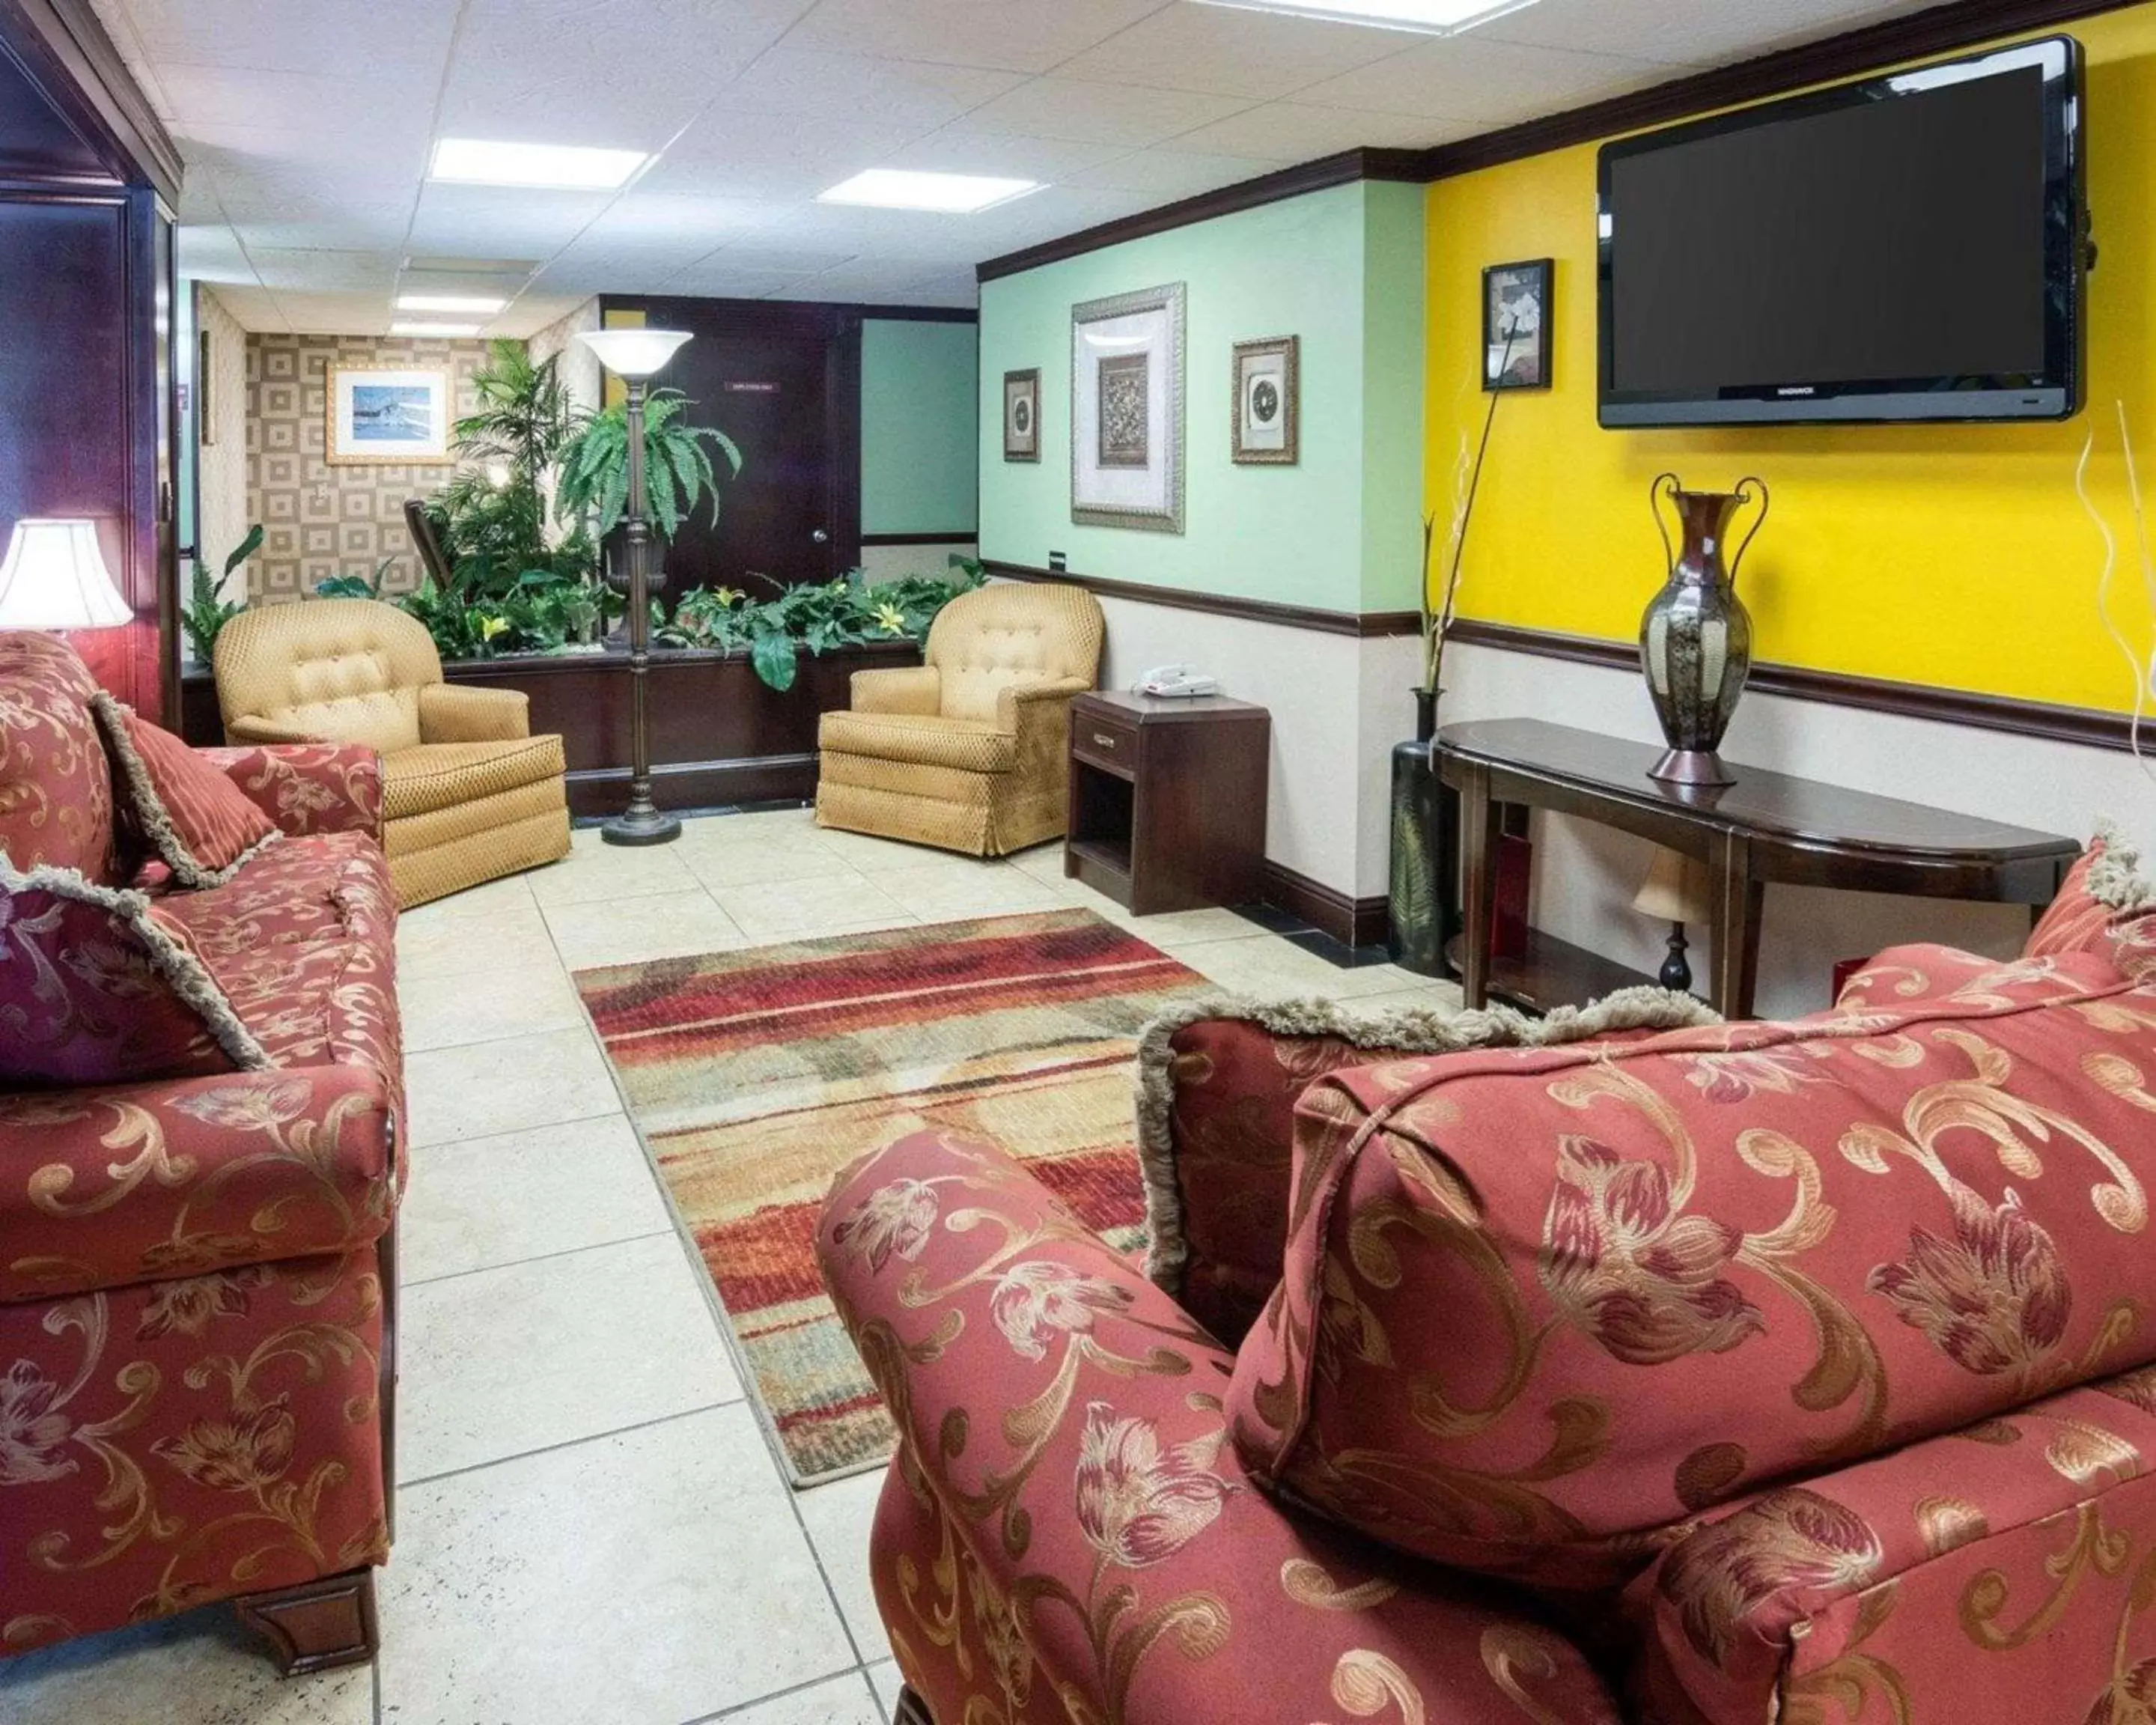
x,y
1951,556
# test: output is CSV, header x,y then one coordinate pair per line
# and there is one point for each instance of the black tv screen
x,y
1908,248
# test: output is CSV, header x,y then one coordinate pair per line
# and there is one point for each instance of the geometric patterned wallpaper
x,y
321,521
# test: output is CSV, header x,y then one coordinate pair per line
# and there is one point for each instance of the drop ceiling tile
x,y
1478,78
391,154
252,308
532,312
211,253
325,271
1017,35
1007,155
776,255
357,100
334,314
1232,52
1282,132
731,282
503,221
355,227
293,35
1171,174
729,153
1085,113
801,86
585,274
1689,32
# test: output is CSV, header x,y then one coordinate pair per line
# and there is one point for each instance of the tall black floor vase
x,y
1425,884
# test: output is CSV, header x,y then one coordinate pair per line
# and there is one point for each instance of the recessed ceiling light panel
x,y
469,304
1431,17
945,194
405,327
479,162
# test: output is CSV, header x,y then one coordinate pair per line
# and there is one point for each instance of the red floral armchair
x,y
195,1271
1625,1366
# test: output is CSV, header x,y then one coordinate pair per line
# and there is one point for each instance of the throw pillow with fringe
x,y
200,823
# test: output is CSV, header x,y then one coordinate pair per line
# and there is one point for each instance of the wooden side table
x,y
1168,800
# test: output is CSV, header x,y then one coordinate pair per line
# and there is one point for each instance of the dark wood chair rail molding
x,y
2087,727
1938,30
956,536
1187,599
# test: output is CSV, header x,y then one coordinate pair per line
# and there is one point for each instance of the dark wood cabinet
x,y
1168,800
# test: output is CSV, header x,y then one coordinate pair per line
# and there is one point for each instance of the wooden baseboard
x,y
1356,922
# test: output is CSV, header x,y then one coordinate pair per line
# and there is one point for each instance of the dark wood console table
x,y
1768,827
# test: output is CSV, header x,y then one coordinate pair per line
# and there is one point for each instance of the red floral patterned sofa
x,y
195,1271
1628,1365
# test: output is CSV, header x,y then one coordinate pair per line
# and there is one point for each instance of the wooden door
x,y
783,381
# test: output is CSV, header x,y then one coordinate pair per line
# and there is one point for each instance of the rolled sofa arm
x,y
1934,1582
454,712
915,689
309,787
1062,1419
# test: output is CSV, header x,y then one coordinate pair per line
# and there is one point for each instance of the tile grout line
x,y
414,1149
742,1707
589,1437
593,1245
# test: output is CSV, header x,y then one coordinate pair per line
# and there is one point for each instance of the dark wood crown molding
x,y
64,48
1938,30
2088,727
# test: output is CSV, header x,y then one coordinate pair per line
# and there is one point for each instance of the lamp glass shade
x,y
1674,890
634,353
54,577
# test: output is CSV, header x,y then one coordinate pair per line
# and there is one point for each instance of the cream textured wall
x,y
221,470
321,521
580,368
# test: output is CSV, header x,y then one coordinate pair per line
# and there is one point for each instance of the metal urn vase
x,y
1696,638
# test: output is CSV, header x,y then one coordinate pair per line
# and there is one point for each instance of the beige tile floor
x,y
590,1528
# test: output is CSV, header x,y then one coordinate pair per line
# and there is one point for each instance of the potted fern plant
x,y
680,474
207,610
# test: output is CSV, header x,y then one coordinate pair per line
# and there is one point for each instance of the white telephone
x,y
1179,682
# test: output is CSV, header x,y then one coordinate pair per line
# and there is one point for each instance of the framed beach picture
x,y
1515,325
1266,431
1022,415
387,417
1126,410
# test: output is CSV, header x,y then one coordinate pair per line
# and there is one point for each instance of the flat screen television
x,y
1910,247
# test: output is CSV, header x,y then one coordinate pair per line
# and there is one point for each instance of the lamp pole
x,y
633,356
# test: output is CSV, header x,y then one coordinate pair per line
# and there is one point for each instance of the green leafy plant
x,y
679,471
206,614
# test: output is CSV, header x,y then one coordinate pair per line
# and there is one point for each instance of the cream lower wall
x,y
1585,876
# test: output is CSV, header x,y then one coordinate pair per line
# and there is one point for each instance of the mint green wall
x,y
919,430
1343,269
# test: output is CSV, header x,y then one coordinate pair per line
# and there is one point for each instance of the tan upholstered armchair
x,y
970,750
469,794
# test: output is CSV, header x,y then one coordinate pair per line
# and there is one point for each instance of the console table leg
x,y
1739,900
1478,822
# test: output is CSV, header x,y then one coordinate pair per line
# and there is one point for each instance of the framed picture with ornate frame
x,y
1515,325
387,416
1266,430
1126,432
1022,415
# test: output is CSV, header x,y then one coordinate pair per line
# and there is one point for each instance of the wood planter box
x,y
718,736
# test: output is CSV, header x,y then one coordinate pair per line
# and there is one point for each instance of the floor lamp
x,y
635,355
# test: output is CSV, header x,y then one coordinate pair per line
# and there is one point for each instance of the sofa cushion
x,y
440,775
188,811
55,785
101,986
1540,1307
963,745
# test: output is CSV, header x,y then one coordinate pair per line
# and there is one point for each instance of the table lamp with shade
x,y
635,355
54,577
1674,892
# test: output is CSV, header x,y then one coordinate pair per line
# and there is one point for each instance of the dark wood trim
x,y
1356,922
968,535
2087,726
1185,598
1345,169
843,371
597,792
920,314
317,1626
62,44
1939,30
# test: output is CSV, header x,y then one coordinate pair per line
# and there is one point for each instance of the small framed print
x,y
380,416
1515,325
1022,415
1266,429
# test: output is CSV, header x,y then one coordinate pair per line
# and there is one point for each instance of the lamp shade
x,y
55,577
634,353
1674,890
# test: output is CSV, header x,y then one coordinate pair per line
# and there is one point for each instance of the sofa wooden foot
x,y
912,1710
317,1626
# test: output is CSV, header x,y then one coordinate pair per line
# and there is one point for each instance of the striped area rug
x,y
755,1076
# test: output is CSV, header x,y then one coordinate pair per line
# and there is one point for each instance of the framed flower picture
x,y
1266,430
1126,442
1515,325
1022,415
387,416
